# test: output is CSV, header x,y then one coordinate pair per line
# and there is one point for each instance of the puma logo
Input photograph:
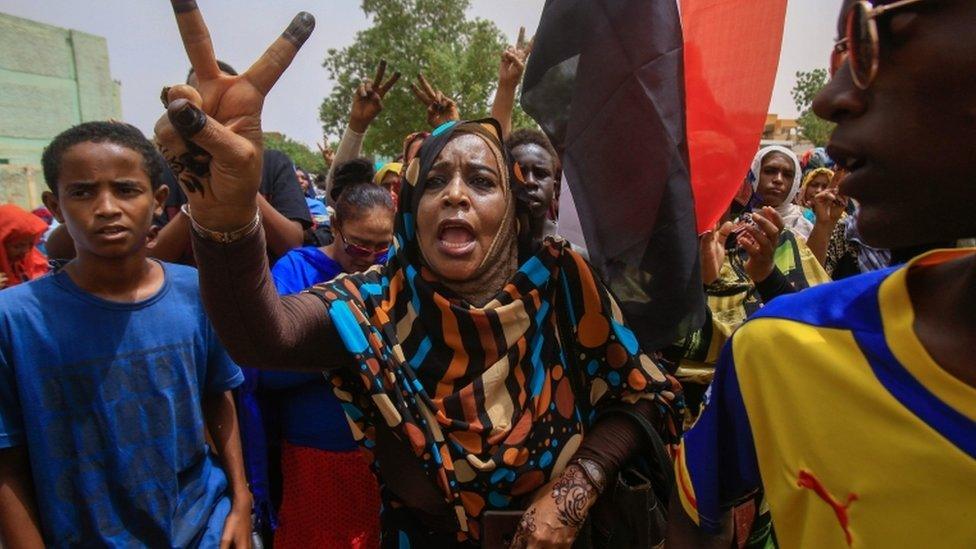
x,y
810,482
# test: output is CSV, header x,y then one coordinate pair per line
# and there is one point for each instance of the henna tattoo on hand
x,y
525,529
572,496
190,168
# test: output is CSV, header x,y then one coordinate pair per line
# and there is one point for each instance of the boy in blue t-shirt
x,y
111,377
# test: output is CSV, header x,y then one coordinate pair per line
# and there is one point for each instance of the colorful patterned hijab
x,y
482,395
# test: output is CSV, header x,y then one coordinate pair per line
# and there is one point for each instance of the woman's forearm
x,y
259,328
819,239
173,240
282,234
616,438
501,109
350,146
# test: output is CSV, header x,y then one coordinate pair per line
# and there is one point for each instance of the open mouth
x,y
455,237
846,159
112,231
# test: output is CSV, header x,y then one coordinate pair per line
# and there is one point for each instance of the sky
x,y
145,51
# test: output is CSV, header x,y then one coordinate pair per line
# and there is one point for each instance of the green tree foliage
x,y
303,157
812,127
458,55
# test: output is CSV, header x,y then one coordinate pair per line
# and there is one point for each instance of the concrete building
x,y
50,79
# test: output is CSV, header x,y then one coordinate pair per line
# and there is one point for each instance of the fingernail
x,y
300,29
164,96
186,118
183,6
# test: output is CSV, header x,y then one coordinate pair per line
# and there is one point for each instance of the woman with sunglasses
x,y
872,378
325,480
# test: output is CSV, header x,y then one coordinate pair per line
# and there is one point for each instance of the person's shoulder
x,y
32,294
182,278
180,272
850,304
276,158
298,256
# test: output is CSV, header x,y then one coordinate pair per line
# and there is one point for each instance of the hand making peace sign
x,y
367,102
513,61
440,108
211,135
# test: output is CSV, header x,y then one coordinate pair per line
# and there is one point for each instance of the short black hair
x,y
220,64
529,136
358,198
357,170
118,133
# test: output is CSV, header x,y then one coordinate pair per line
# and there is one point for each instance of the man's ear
x,y
159,197
51,203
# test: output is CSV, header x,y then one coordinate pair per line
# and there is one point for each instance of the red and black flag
x,y
606,82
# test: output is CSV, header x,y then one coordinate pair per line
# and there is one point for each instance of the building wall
x,y
50,79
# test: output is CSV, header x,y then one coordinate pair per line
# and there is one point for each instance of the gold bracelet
x,y
221,236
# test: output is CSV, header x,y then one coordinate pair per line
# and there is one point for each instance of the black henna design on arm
x,y
526,528
572,496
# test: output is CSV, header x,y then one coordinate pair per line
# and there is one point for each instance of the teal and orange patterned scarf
x,y
482,395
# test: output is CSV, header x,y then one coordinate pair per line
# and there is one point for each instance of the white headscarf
x,y
791,213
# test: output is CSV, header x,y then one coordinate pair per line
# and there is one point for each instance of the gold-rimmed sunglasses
x,y
860,46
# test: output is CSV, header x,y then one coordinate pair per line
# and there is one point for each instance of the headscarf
x,y
395,167
410,140
791,213
390,167
17,223
816,158
482,395
813,174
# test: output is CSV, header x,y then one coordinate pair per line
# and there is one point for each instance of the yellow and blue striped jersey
x,y
828,403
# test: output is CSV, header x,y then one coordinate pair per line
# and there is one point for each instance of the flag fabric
x,y
605,81
732,50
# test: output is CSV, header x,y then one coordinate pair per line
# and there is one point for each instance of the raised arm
x,y
829,207
367,103
510,72
211,136
440,108
259,328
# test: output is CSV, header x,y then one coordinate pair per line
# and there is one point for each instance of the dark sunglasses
x,y
860,46
355,250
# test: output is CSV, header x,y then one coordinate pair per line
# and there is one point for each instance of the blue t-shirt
x,y
310,414
106,397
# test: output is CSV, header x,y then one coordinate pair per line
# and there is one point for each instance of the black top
x,y
279,186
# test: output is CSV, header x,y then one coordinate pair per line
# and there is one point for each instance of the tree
x,y
812,127
302,156
458,55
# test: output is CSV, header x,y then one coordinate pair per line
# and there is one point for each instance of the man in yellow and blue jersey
x,y
850,409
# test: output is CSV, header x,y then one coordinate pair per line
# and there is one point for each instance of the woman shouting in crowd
x,y
479,381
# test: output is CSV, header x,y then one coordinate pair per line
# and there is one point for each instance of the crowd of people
x,y
202,345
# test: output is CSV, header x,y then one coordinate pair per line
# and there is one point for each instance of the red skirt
x,y
329,499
